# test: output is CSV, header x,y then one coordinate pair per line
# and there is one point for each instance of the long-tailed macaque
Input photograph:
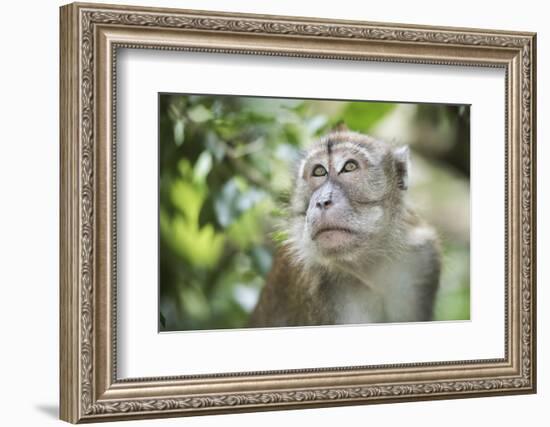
x,y
356,252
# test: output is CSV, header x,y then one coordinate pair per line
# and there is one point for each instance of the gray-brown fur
x,y
357,253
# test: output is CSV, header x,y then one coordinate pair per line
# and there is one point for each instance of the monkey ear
x,y
401,159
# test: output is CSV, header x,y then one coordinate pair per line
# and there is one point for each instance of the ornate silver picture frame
x,y
91,36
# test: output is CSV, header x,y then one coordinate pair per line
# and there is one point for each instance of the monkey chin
x,y
334,242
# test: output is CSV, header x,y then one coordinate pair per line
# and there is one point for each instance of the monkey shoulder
x,y
422,243
414,278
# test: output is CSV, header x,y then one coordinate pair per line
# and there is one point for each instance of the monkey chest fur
x,y
397,290
391,292
389,296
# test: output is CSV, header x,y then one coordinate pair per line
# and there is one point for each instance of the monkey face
x,y
347,187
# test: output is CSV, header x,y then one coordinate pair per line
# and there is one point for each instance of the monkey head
x,y
349,188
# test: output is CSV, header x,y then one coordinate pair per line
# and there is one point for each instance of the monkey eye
x,y
319,171
349,166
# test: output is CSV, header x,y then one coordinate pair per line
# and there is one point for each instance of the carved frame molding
x,y
90,37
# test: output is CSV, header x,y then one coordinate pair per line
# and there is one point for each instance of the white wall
x,y
29,170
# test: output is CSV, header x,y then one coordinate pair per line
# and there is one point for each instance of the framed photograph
x,y
267,212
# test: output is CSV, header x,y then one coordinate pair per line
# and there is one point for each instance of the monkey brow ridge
x,y
338,137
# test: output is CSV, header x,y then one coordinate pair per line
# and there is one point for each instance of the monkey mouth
x,y
323,230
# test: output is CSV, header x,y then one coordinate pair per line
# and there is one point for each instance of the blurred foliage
x,y
225,171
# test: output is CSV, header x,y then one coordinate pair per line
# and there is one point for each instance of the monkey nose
x,y
324,204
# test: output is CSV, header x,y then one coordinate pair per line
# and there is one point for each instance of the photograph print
x,y
280,212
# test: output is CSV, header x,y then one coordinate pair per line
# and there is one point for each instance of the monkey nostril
x,y
324,204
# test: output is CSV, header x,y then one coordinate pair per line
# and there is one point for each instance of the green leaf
x,y
203,166
195,303
201,247
363,116
224,204
179,132
216,146
188,198
208,214
262,259
199,113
